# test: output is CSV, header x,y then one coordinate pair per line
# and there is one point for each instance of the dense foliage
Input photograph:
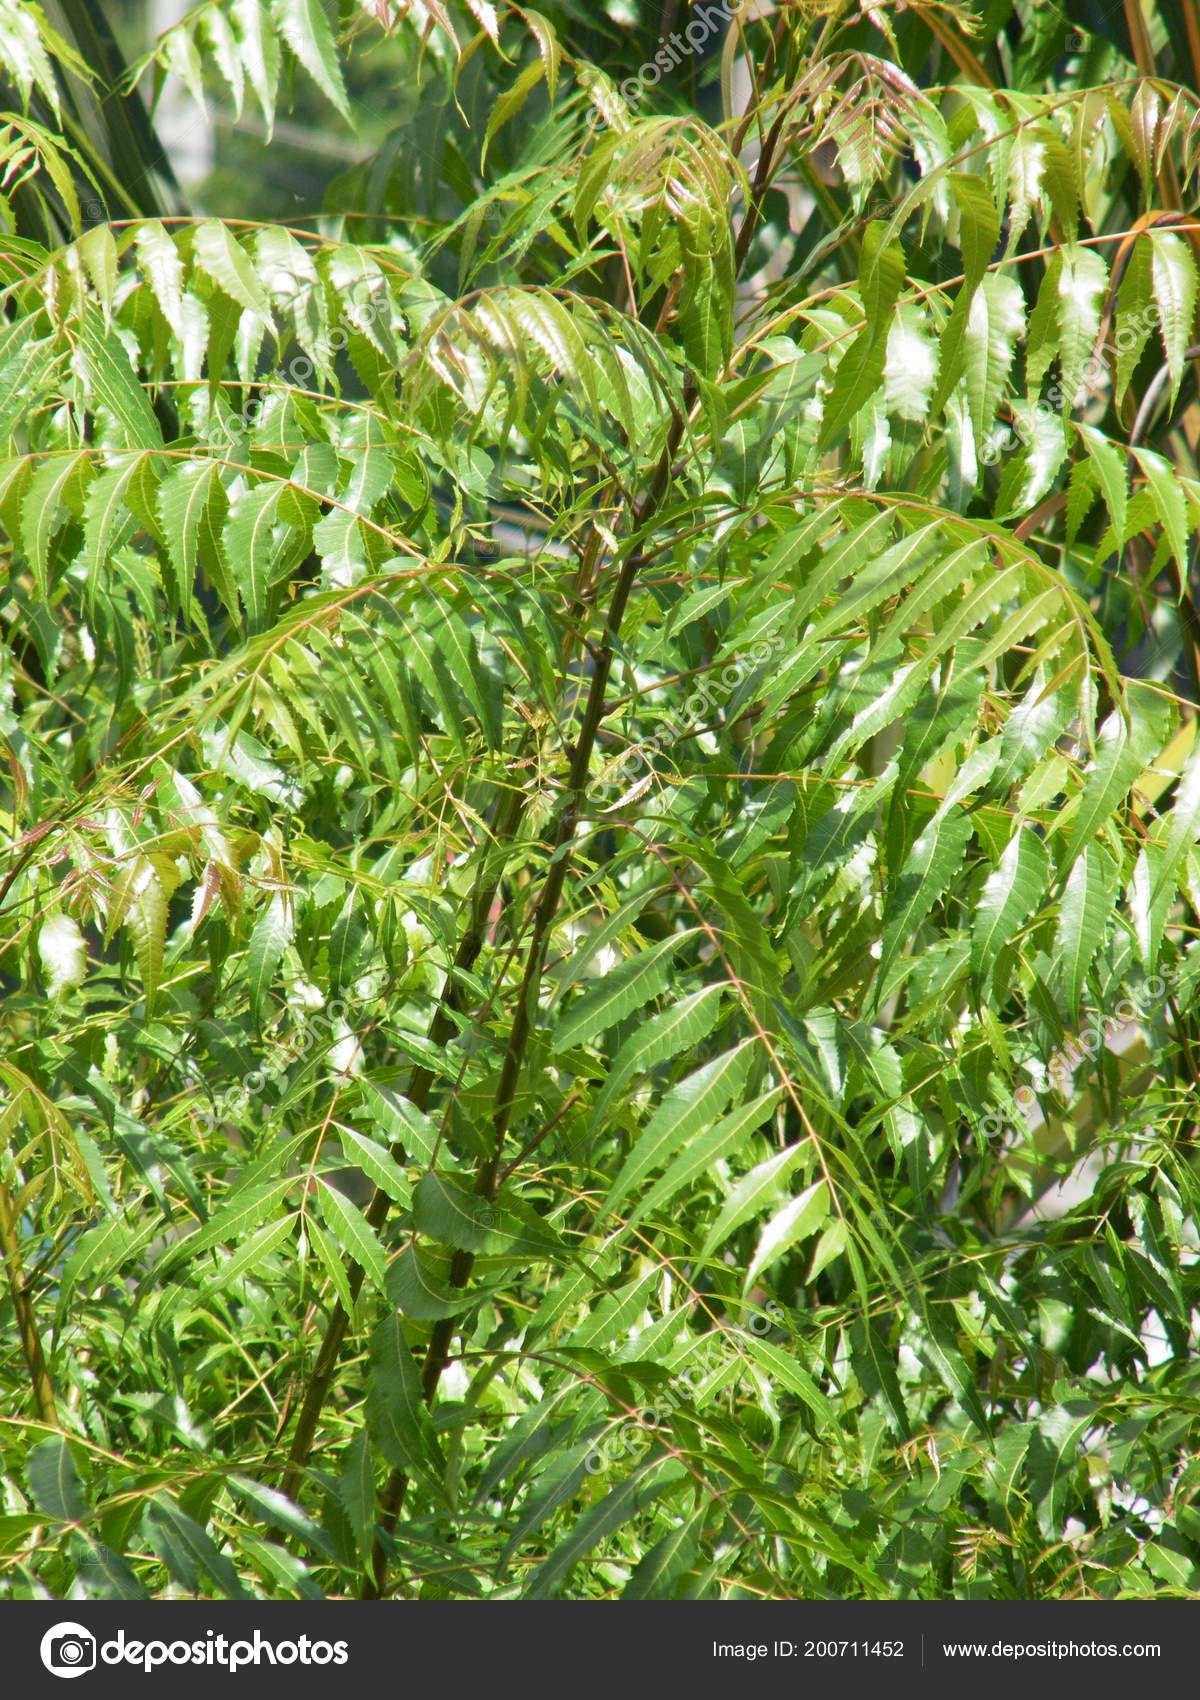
x,y
600,811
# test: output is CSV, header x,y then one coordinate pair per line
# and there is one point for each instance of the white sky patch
x,y
345,1054
63,954
877,440
910,370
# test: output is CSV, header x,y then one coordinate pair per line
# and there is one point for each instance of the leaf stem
x,y
27,1325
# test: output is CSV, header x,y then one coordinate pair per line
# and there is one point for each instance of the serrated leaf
x,y
160,261
503,1227
681,1027
1184,830
799,1218
994,324
1083,919
932,864
750,1195
249,545
403,1123
617,1508
271,936
682,1113
240,1214
625,988
510,102
703,1150
54,1481
305,28
59,479
1173,277
1082,283
1010,894
860,370
785,1371
260,54
189,1551
249,1253
275,1509
105,365
376,1164
1163,481
1110,468
1120,755
356,1234
218,253
979,232
192,505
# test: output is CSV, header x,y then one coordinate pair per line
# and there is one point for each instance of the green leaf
x,y
660,1571
994,324
1120,755
1184,830
260,54
1163,481
418,1294
305,28
112,381
933,863
680,1028
1173,275
241,1213
1083,919
799,1218
703,1150
979,233
625,988
251,548
353,1230
376,1164
60,479
249,1254
683,1112
160,261
403,1123
1136,313
750,1195
397,1417
192,506
1010,894
188,1550
455,1216
783,1369
218,252
860,370
271,936
513,99
54,1481
275,1510
1110,466
1082,283
617,1508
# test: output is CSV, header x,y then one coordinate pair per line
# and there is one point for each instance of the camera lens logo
x,y
68,1649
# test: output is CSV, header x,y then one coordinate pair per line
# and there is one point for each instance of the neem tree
x,y
585,736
